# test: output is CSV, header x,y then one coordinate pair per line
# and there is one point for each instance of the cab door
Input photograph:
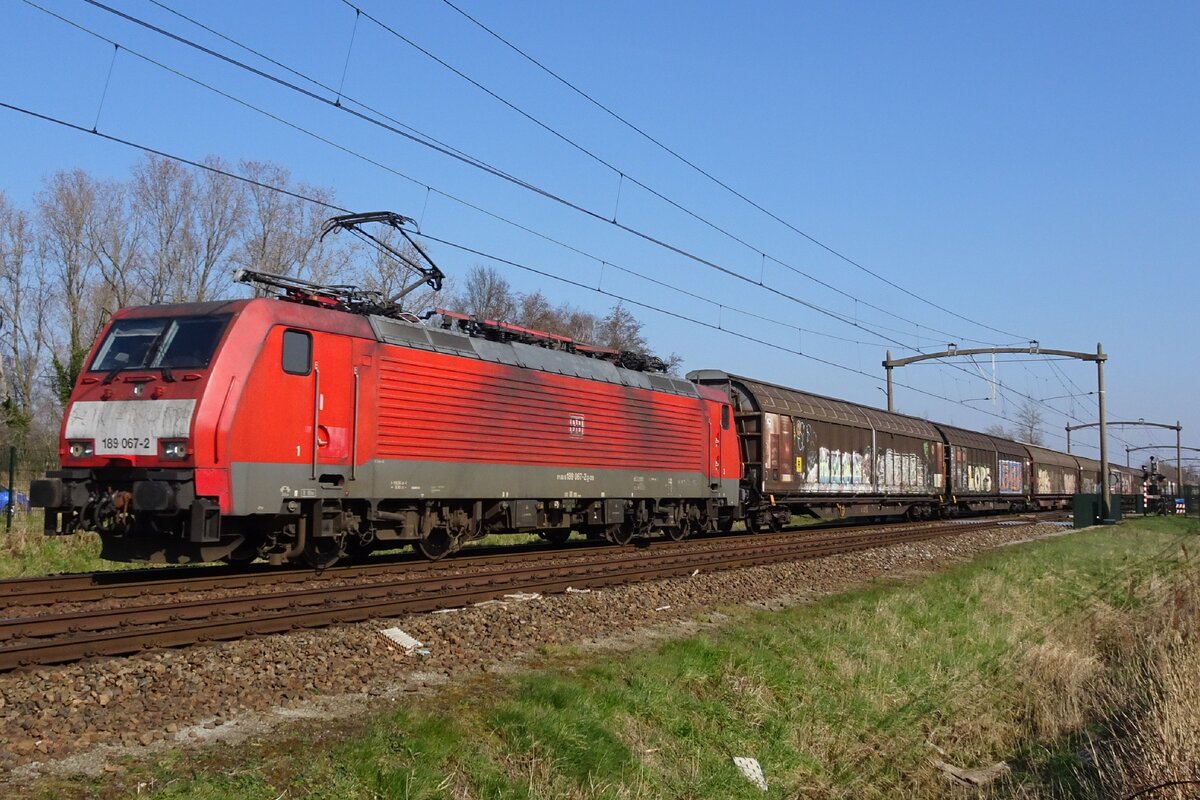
x,y
332,404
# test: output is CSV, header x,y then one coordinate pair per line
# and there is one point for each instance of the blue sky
x,y
1032,168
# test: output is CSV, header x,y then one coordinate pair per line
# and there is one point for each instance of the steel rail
x,y
123,584
114,584
504,574
78,635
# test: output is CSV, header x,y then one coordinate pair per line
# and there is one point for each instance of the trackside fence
x,y
18,466
1191,501
1086,507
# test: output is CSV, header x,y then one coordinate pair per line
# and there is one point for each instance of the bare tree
x,y
536,312
1029,422
23,305
64,210
487,295
164,191
217,220
324,260
621,330
113,237
191,223
576,323
265,245
283,233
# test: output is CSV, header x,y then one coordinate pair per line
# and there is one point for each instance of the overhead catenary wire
x,y
834,315
480,209
675,154
622,174
465,248
837,316
467,159
446,149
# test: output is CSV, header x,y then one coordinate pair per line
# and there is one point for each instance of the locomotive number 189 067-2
x,y
125,442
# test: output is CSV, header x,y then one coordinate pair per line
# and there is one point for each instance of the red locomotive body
x,y
275,429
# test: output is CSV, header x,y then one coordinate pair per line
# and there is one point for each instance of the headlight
x,y
84,448
172,450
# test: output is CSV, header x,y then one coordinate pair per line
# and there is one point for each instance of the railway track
x,y
128,584
167,620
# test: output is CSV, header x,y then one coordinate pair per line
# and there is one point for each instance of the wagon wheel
x,y
244,553
768,523
323,553
558,536
436,545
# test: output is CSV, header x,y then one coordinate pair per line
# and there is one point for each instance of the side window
x,y
297,352
724,418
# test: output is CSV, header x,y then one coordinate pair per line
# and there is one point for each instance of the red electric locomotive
x,y
307,427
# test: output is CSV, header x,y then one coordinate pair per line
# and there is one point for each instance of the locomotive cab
x,y
128,444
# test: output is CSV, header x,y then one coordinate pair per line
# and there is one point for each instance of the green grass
x,y
25,550
990,661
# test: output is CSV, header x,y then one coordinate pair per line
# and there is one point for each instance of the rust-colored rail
x,y
124,584
58,638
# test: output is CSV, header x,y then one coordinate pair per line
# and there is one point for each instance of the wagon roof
x,y
781,400
1010,448
961,437
1043,456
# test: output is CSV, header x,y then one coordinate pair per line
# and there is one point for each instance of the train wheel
x,y
725,524
678,532
768,523
557,536
322,553
436,545
242,554
621,534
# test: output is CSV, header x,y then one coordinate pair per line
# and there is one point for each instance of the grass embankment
x,y
1068,659
26,551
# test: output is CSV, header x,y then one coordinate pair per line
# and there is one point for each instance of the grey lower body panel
x,y
262,488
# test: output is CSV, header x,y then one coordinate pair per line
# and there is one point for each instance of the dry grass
x,y
1152,735
1162,743
1061,694
25,550
1121,696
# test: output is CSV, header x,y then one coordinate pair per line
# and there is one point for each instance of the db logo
x,y
576,426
